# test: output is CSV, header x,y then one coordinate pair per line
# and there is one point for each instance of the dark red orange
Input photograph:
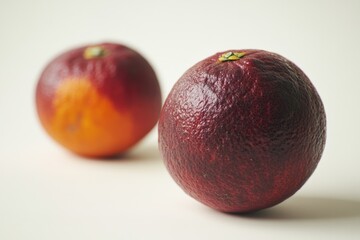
x,y
242,130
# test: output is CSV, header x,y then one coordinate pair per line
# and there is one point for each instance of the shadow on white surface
x,y
311,208
146,154
142,153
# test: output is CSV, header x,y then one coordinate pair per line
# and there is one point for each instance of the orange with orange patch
x,y
98,104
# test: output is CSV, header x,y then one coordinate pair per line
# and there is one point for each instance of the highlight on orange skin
x,y
86,121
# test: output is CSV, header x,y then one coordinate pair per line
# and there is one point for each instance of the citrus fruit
x,y
242,130
98,100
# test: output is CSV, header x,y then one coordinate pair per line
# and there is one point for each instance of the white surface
x,y
48,193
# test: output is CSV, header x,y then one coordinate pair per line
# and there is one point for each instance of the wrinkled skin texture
x,y
242,135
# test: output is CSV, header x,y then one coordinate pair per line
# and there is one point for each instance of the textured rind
x,y
242,135
122,76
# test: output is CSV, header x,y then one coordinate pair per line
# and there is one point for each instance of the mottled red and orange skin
x,y
242,135
98,106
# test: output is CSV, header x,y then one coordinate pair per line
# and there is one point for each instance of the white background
x,y
49,193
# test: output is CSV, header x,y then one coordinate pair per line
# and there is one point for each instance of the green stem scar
x,y
231,56
94,52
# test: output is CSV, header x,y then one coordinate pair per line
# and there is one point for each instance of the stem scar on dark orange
x,y
231,56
